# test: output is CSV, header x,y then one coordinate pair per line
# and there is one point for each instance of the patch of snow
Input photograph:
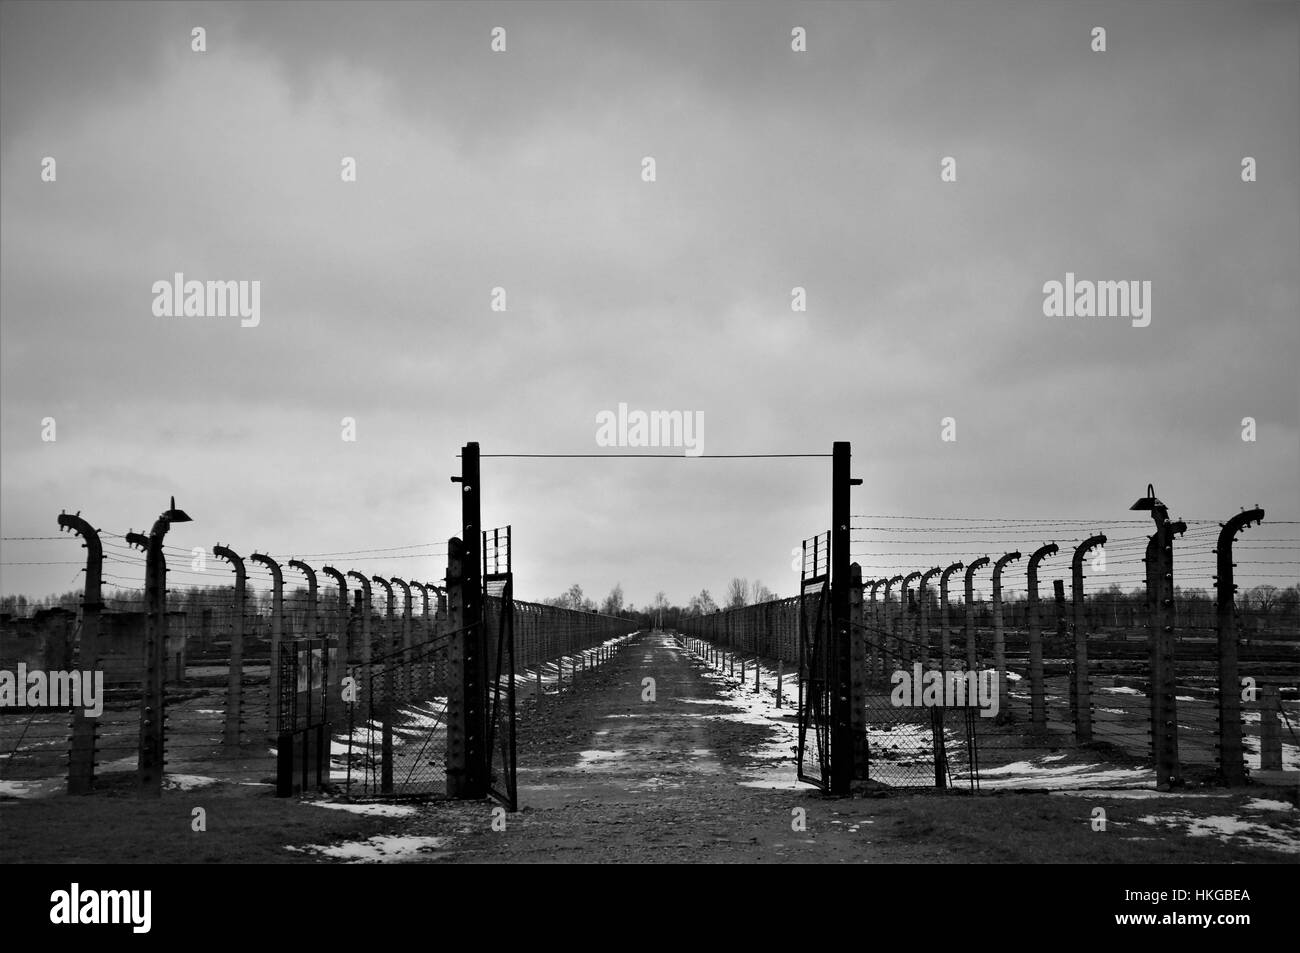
x,y
383,848
372,810
186,782
1264,804
1229,829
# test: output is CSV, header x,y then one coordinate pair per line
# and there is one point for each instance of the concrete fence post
x,y
923,596
1082,685
945,635
908,605
894,617
999,641
235,672
1270,729
858,674
972,661
81,755
367,676
277,631
1037,690
1159,561
1231,756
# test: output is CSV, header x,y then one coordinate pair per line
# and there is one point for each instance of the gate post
x,y
846,675
81,760
277,612
235,673
1082,687
467,754
1231,761
1037,692
999,643
945,636
971,661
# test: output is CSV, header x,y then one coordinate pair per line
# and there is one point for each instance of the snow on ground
x,y
380,849
40,787
186,782
1265,804
1038,775
1230,830
372,810
903,746
1113,794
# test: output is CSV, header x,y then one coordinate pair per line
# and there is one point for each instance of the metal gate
x,y
815,663
499,622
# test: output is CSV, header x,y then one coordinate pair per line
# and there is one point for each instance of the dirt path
x,y
706,774
604,774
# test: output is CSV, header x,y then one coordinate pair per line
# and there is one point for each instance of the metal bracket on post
x,y
1231,758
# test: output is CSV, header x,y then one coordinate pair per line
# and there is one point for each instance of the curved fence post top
x,y
1002,563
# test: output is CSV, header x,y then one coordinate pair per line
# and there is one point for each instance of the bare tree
x,y
737,593
702,604
613,603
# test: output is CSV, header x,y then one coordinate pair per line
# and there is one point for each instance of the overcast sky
x,y
522,170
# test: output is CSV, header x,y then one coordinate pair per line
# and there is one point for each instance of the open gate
x,y
816,663
499,628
